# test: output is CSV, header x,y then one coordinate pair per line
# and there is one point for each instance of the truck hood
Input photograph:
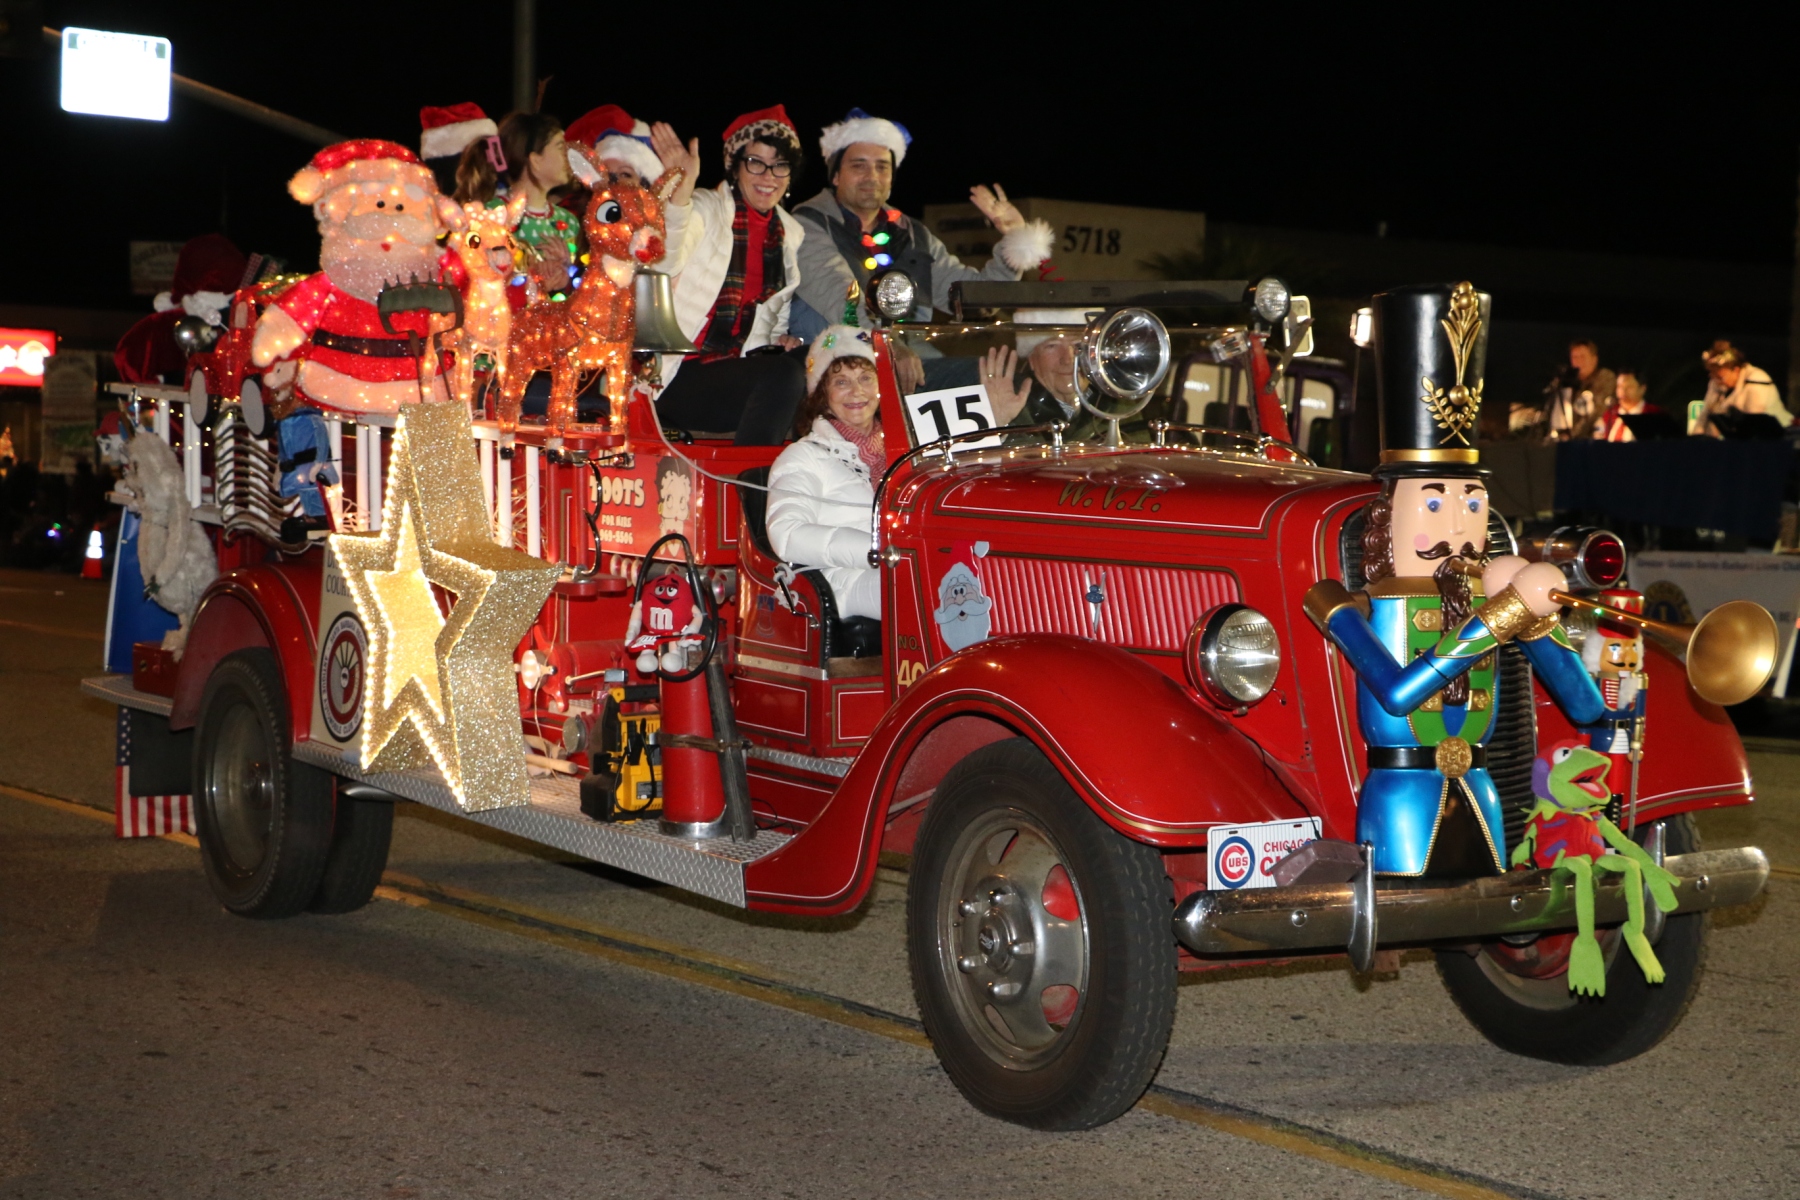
x,y
1133,489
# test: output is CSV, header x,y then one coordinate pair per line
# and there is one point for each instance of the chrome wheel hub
x,y
1013,938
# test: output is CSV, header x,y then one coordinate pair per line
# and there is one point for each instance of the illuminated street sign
x,y
116,74
22,355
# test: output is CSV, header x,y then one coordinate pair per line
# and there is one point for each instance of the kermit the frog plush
x,y
1567,830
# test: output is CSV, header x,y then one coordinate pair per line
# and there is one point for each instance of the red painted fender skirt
x,y
1155,763
251,606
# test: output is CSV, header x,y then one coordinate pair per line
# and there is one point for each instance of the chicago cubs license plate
x,y
1239,856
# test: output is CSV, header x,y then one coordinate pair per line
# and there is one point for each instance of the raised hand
x,y
667,144
998,366
996,207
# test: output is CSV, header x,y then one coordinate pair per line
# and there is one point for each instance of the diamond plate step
x,y
713,868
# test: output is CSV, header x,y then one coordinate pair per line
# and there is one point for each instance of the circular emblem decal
x,y
1235,861
342,668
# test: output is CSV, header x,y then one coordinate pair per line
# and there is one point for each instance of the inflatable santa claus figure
x,y
380,215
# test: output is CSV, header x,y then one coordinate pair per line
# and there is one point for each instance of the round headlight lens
x,y
895,295
1233,655
1127,353
1271,299
1603,559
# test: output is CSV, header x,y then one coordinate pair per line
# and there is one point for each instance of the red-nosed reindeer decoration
x,y
594,330
487,250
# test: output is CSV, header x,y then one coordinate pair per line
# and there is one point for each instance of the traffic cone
x,y
93,566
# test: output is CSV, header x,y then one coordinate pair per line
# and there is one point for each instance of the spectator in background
x,y
1735,384
1628,401
853,232
1579,394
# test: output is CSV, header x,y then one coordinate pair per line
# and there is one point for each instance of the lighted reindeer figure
x,y
487,250
594,330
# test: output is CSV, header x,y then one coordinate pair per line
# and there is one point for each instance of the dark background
x,y
1459,123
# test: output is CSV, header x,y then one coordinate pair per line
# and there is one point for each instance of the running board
x,y
711,867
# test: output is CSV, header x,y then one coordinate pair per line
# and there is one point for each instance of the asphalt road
x,y
509,1023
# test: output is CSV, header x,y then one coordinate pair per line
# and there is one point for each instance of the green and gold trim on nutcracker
x,y
1424,616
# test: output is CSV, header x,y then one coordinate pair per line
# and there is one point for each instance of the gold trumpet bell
x,y
657,331
1730,653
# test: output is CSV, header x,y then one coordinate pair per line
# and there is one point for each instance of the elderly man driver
x,y
853,232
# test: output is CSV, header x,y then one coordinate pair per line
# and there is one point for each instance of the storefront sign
x,y
1090,241
71,390
22,355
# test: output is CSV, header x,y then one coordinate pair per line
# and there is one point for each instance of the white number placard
x,y
950,411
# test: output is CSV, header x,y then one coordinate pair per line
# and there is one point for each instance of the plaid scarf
x,y
870,448
733,312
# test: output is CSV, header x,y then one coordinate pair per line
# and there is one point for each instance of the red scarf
x,y
870,448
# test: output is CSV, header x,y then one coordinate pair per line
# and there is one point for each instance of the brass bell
x,y
656,327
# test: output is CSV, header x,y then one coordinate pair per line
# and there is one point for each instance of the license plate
x,y
1240,856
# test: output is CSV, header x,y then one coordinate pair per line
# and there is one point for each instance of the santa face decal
x,y
962,612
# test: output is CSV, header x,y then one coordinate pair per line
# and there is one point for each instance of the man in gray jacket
x,y
853,232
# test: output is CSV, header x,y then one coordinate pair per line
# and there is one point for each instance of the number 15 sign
x,y
950,411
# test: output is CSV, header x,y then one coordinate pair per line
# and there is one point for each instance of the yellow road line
x,y
754,982
86,635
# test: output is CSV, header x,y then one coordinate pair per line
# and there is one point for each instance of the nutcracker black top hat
x,y
1430,357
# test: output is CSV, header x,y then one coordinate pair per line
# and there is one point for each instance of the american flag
x,y
145,816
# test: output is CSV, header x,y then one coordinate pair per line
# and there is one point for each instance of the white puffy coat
x,y
699,236
820,497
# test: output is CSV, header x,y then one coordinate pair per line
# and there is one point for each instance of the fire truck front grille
x,y
1141,608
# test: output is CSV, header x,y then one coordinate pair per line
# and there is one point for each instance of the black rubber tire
x,y
264,820
1109,1050
360,835
1531,1018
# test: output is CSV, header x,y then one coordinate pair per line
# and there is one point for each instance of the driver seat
x,y
842,637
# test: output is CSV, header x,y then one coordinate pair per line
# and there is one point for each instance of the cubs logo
x,y
342,669
1234,862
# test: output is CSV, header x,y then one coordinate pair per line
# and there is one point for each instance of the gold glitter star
x,y
442,689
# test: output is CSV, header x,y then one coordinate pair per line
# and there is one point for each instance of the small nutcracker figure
x,y
1614,656
1424,637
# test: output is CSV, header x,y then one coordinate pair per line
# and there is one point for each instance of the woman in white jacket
x,y
733,255
822,487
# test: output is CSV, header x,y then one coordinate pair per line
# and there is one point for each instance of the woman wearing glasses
x,y
732,252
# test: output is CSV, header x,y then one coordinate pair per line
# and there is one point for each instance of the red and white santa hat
x,y
611,132
764,125
447,131
348,162
859,126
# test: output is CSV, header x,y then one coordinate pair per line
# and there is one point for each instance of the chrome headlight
x,y
1271,298
1232,655
894,295
1126,353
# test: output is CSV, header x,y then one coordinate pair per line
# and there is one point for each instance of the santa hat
x,y
764,125
447,131
835,342
611,132
859,126
365,158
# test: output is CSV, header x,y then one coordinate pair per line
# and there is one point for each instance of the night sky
x,y
1454,122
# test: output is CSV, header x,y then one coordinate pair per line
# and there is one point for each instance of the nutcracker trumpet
x,y
1729,653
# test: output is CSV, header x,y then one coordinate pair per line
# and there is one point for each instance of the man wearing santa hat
x,y
855,232
380,214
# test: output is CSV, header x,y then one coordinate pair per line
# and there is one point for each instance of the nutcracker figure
x,y
1614,656
1423,636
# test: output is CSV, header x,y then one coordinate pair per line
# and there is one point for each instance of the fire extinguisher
x,y
706,786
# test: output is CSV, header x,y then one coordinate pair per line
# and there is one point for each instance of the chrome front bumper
x,y
1357,917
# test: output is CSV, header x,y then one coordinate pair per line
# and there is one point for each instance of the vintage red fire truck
x,y
1091,707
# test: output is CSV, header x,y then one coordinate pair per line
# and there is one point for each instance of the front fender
x,y
251,606
1152,761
